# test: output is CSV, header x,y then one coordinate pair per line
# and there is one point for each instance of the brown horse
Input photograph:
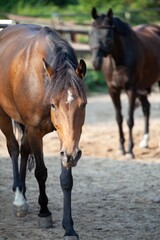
x,y
42,88
130,61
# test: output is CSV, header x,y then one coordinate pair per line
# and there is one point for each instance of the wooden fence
x,y
69,31
5,23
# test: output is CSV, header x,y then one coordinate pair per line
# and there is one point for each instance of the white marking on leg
x,y
70,97
144,141
19,199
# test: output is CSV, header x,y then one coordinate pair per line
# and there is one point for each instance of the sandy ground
x,y
113,198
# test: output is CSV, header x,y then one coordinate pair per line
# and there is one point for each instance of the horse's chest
x,y
118,77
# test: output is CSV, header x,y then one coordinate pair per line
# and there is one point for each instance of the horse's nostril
x,y
79,153
62,153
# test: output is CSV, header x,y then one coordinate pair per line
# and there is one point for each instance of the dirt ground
x,y
113,198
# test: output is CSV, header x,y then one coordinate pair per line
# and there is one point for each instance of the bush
x,y
95,81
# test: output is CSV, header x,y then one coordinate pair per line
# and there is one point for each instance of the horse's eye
x,y
83,105
53,107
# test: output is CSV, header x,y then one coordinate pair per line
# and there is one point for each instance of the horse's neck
x,y
123,50
123,42
118,51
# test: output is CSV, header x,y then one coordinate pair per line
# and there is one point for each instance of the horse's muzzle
x,y
68,161
97,63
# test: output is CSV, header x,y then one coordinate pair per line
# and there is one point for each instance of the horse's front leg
x,y
115,95
146,111
130,121
66,180
35,142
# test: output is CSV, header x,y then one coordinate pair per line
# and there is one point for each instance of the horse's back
x,y
149,39
14,38
148,29
13,41
14,31
21,54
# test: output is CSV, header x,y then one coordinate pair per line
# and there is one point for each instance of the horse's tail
x,y
19,131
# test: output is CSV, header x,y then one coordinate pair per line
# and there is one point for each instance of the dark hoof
x,y
45,222
21,211
71,238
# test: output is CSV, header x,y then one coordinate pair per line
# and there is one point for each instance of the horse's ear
x,y
81,69
110,13
94,13
48,68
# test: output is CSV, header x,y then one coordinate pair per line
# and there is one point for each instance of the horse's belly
x,y
28,117
10,110
149,79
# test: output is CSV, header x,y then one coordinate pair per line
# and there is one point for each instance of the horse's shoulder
x,y
117,76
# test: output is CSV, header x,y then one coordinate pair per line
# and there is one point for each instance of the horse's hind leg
x,y
146,111
13,149
12,144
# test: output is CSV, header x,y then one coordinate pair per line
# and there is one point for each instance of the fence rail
x,y
71,31
5,23
68,31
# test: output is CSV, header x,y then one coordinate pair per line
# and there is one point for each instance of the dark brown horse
x,y
130,61
42,88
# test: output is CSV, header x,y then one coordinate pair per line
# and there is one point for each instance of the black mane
x,y
63,60
122,27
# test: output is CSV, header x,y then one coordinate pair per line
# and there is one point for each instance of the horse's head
x,y
101,37
68,114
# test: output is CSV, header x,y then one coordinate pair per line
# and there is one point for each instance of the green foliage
x,y
82,8
87,5
79,11
95,81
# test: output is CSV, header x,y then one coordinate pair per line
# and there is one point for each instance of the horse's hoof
x,y
129,156
144,141
120,152
45,222
71,238
143,144
21,211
